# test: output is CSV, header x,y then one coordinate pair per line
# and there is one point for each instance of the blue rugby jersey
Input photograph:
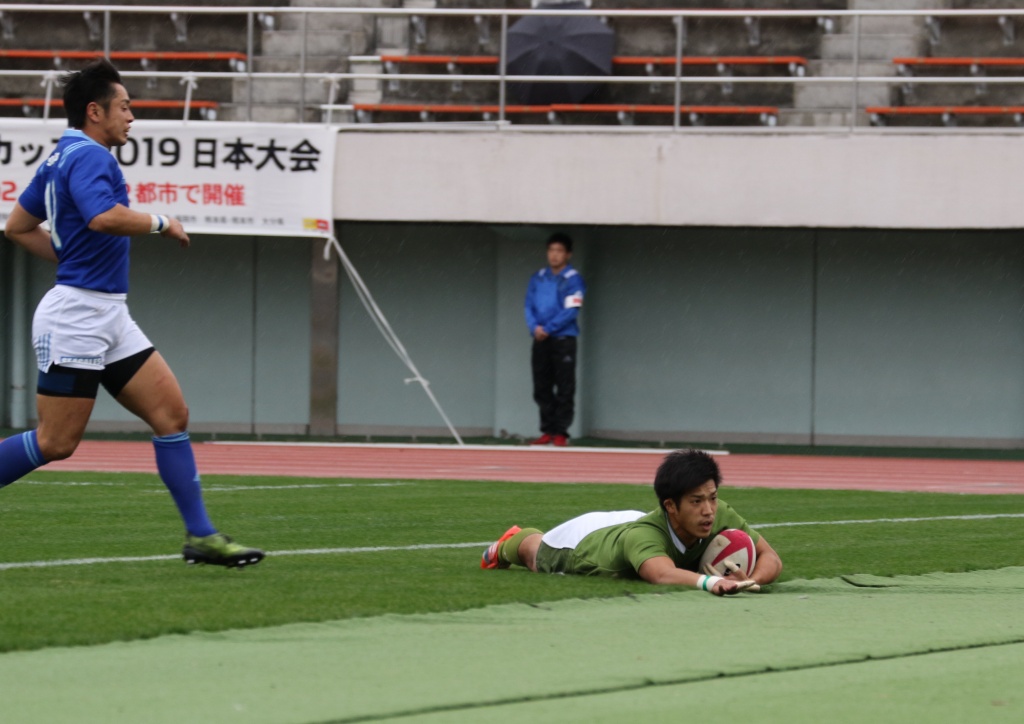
x,y
553,301
79,181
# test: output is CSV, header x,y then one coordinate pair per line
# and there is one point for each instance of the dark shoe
x,y
219,550
544,439
561,441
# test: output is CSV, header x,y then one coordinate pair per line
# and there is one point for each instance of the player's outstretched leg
x,y
219,550
176,463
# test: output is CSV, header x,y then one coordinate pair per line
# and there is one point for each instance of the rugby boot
x,y
491,559
219,550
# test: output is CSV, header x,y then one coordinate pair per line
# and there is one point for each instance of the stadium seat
x,y
947,114
766,115
236,61
206,109
696,114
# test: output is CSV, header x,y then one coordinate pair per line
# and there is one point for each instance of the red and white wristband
x,y
707,583
158,223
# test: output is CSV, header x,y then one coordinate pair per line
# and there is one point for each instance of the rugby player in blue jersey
x,y
82,332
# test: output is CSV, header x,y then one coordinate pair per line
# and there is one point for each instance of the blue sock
x,y
177,465
19,456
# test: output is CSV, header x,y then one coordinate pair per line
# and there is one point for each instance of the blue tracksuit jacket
x,y
553,301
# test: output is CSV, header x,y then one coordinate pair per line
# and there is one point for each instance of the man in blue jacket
x,y
553,302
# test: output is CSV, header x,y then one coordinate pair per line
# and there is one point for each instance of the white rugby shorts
x,y
84,329
571,532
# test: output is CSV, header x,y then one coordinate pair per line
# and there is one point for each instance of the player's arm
x,y
768,565
122,221
572,300
24,230
531,316
662,571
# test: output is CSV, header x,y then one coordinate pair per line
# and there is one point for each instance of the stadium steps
x,y
881,39
329,40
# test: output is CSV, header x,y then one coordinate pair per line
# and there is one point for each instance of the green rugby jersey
x,y
619,550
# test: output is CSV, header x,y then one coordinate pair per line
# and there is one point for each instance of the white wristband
x,y
707,583
158,223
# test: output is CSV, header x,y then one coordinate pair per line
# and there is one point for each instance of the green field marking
x,y
964,685
705,651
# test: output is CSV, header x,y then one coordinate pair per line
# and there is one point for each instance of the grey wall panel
x,y
41,277
520,252
196,306
436,287
6,330
857,336
701,330
282,342
920,335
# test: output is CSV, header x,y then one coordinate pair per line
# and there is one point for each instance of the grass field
x,y
342,549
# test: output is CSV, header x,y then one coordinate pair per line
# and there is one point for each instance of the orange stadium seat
x,y
794,63
765,114
236,60
948,114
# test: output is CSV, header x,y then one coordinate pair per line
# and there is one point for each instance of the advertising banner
x,y
215,177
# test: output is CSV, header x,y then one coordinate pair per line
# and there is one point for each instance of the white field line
x,y
982,516
300,552
441,546
452,446
69,483
228,488
298,486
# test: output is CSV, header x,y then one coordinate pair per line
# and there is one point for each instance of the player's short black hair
x,y
683,470
92,84
560,238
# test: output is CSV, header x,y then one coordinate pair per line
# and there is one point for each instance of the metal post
x,y
502,58
19,333
856,72
48,81
302,70
106,34
678,94
324,296
189,81
333,84
248,63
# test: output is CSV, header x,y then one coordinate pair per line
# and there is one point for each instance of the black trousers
x,y
553,362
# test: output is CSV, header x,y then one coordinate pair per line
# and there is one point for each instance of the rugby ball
x,y
730,545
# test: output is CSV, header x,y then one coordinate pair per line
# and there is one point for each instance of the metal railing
x,y
99,18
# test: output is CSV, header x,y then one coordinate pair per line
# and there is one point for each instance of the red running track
x,y
579,465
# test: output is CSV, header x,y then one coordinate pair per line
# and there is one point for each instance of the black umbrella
x,y
558,45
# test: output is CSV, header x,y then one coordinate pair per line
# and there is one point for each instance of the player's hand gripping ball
x,y
730,554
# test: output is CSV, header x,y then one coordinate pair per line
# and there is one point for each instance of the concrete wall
x,y
790,291
920,337
711,334
914,180
231,315
701,332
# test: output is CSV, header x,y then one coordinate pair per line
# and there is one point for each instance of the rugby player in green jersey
x,y
662,547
